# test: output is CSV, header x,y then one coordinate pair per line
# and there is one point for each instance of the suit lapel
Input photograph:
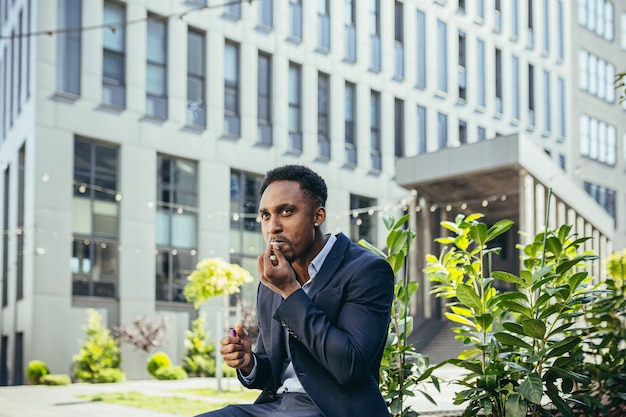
x,y
330,265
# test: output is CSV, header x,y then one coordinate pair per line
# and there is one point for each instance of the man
x,y
323,306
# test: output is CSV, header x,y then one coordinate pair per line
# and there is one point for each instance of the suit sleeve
x,y
348,346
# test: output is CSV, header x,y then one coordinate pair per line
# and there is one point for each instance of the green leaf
x,y
561,405
401,221
478,233
534,328
574,376
517,307
498,228
532,388
364,243
484,320
553,244
514,327
450,226
468,296
515,406
458,319
511,340
508,277
563,346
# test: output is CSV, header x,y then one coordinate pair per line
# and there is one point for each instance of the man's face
x,y
287,217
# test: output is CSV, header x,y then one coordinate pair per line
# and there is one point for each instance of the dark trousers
x,y
287,405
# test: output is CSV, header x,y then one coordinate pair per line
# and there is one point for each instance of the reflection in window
x,y
375,148
95,230
196,69
295,107
374,29
156,68
362,220
264,99
176,225
232,122
68,47
421,129
114,55
295,17
350,124
350,28
245,231
323,116
323,24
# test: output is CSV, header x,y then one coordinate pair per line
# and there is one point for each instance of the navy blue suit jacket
x,y
336,333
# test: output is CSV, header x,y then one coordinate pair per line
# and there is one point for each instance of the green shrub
x,y
35,371
199,358
109,375
98,354
157,361
55,379
170,373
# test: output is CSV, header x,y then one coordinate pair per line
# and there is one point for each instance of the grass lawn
x,y
178,405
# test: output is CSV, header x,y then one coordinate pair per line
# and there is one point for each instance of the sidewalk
x,y
64,401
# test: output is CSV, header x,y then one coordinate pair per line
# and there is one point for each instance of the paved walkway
x,y
64,401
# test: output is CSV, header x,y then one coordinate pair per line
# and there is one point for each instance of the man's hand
x,y
276,272
237,350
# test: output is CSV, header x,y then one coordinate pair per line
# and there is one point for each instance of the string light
x,y
113,27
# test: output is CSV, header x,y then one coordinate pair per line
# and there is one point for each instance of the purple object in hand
x,y
233,333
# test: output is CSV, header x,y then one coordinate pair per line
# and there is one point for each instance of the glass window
x,y
547,101
375,34
399,38
480,8
350,124
114,55
232,123
398,127
95,230
375,141
232,9
583,73
561,116
560,30
546,25
350,27
362,221
531,94
295,17
68,47
323,24
421,49
462,132
497,16
176,226
482,133
442,130
245,232
196,78
462,66
514,18
442,56
323,115
515,86
266,12
295,107
156,68
264,99
421,130
480,73
498,86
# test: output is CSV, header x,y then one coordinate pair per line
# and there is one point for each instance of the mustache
x,y
278,239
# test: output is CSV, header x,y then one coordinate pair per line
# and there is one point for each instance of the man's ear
x,y
319,216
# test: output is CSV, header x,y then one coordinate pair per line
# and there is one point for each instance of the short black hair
x,y
311,183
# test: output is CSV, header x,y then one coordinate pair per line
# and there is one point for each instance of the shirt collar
x,y
318,261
